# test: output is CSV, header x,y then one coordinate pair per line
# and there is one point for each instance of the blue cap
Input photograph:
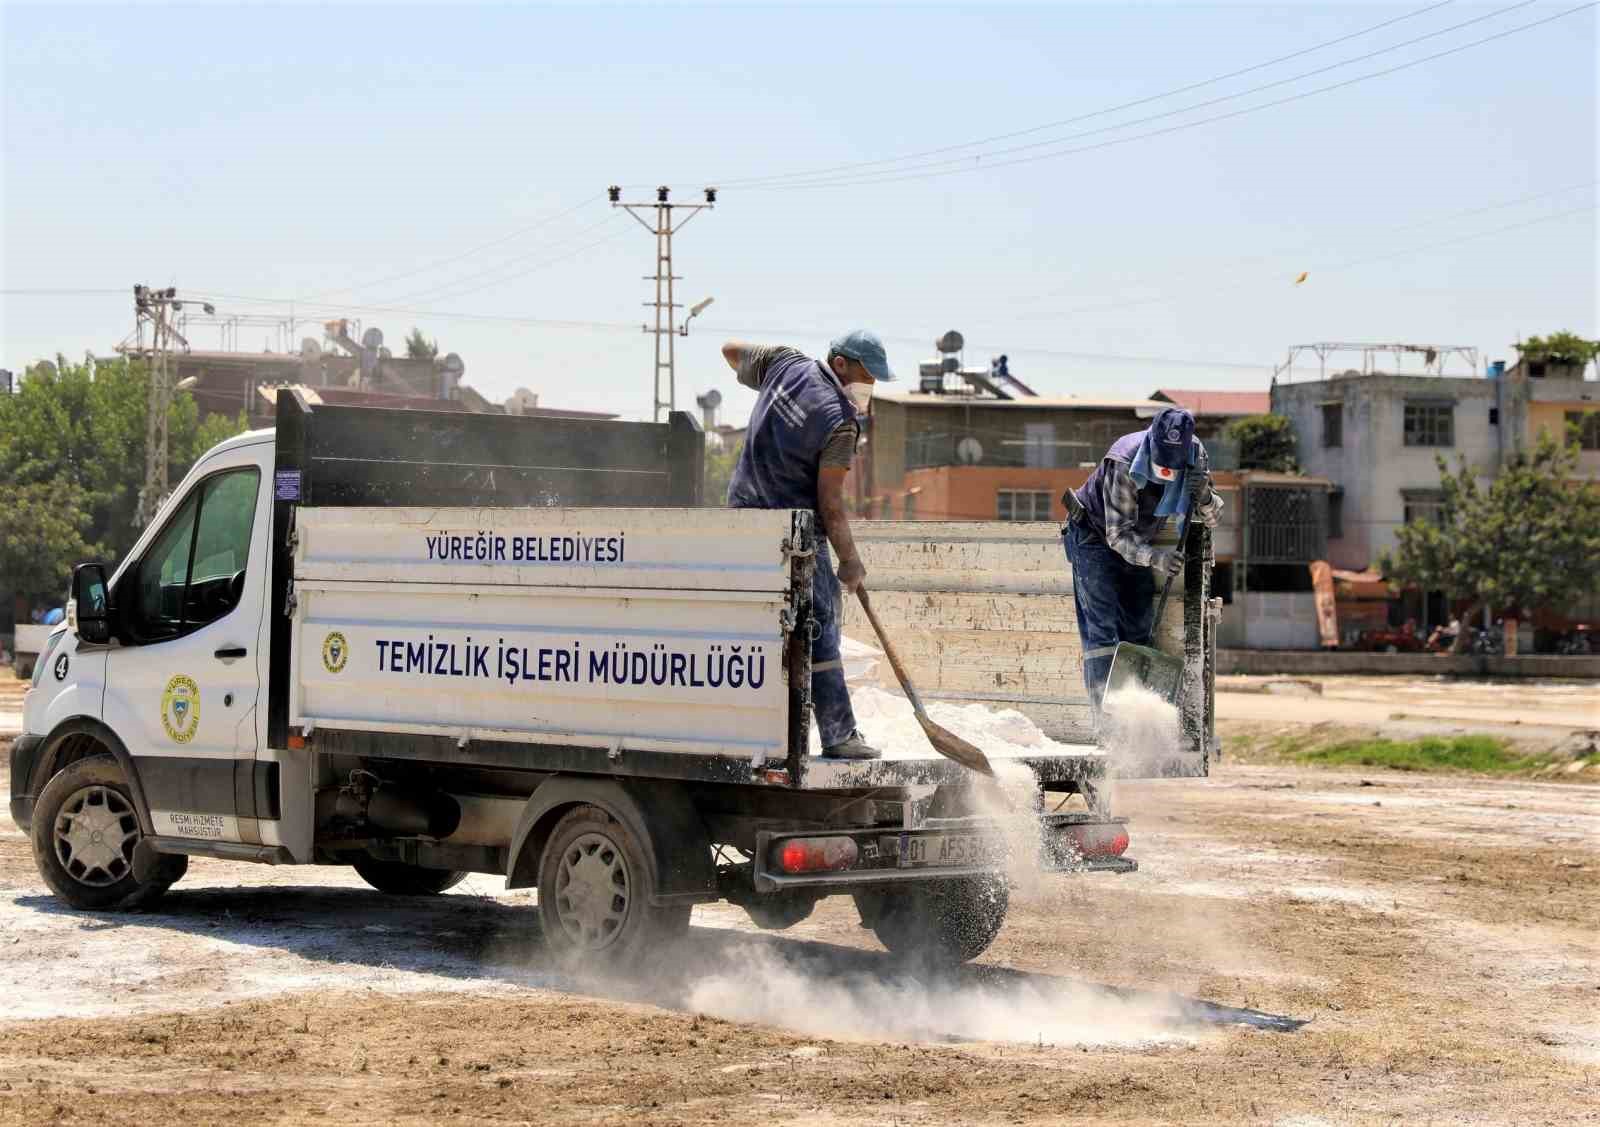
x,y
1171,432
864,347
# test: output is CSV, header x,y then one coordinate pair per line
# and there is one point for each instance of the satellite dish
x,y
310,349
372,338
969,451
45,368
712,398
951,342
453,365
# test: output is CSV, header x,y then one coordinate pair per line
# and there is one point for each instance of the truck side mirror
x,y
90,609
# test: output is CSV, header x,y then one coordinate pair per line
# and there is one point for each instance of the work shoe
x,y
853,748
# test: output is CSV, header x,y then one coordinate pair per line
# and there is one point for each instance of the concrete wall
x,y
1269,620
1373,464
1327,663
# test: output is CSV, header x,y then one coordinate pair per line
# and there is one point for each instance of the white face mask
x,y
861,395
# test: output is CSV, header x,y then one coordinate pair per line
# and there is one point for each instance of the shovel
x,y
1147,666
944,741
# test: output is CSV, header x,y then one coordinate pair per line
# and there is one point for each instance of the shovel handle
x,y
888,649
1166,588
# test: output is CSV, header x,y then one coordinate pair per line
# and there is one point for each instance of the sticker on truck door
x,y
180,708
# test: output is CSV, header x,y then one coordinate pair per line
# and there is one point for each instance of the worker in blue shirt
x,y
797,450
1112,522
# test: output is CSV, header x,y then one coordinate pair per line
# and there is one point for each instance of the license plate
x,y
949,849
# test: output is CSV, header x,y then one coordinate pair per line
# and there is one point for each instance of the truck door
x,y
182,687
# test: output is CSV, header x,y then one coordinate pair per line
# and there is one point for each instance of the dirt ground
x,y
1299,947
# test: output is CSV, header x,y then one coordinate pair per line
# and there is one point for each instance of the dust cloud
x,y
1139,730
824,996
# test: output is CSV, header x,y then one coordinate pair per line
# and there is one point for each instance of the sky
x,y
445,167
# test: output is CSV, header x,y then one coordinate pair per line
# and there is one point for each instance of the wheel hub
x,y
94,836
593,891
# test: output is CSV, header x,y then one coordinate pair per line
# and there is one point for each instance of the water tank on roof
x,y
1497,369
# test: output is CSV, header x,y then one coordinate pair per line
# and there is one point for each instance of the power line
x,y
1201,105
326,310
983,167
63,293
587,200
746,181
1164,298
441,291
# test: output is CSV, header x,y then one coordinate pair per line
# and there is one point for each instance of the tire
x,y
84,833
595,886
943,924
396,878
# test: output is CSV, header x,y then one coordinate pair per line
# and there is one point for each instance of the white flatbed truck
x,y
431,644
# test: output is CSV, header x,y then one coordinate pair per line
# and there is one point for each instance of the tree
x,y
419,347
719,471
42,528
74,439
1564,348
1266,442
1530,539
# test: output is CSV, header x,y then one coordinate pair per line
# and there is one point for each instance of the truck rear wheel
x,y
945,923
84,833
400,879
595,887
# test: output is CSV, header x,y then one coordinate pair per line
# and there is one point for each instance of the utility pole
x,y
153,309
663,228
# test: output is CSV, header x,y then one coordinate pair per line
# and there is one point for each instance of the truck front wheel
x,y
945,923
595,888
399,879
84,833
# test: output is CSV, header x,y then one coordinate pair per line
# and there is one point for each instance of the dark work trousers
x,y
830,699
1115,600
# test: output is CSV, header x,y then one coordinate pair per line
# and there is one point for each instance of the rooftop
x,y
1144,407
1216,402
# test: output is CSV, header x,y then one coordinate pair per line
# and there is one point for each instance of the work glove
x,y
1167,562
1198,483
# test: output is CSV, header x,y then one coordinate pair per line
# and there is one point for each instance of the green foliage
x,y
1265,442
719,472
42,527
419,347
1529,540
1560,348
72,448
1484,754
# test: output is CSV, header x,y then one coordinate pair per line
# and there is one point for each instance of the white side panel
x,y
666,649
672,549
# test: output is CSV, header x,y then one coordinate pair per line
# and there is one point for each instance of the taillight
x,y
817,854
1099,840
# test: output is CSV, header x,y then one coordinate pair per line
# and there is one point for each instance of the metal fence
x,y
1285,523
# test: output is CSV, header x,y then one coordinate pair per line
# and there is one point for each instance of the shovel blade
x,y
952,746
1147,668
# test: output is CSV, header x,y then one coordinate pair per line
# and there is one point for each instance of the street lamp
x,y
695,310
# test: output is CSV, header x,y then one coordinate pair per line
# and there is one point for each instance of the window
x,y
1335,514
193,573
1494,416
1333,424
1423,504
1588,424
908,507
1039,445
1023,504
1430,424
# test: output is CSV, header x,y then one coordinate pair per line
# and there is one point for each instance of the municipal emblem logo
x,y
180,708
335,652
62,665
